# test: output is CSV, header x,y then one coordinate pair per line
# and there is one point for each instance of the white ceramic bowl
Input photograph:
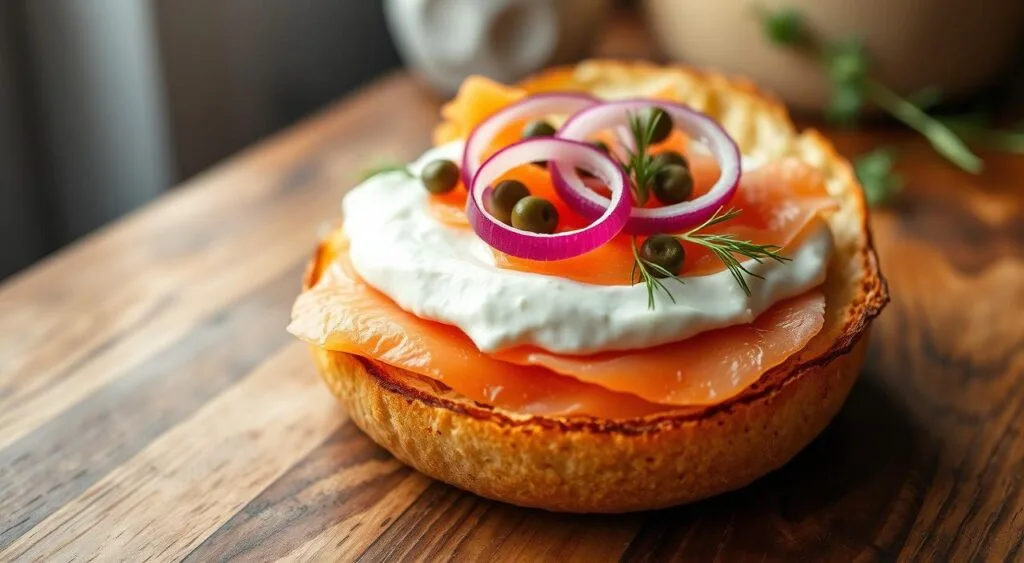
x,y
447,40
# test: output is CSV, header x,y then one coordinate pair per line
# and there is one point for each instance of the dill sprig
x,y
642,272
640,165
726,247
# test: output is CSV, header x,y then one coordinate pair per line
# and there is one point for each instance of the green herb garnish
x,y
848,67
874,170
785,27
977,129
642,271
942,138
640,165
726,247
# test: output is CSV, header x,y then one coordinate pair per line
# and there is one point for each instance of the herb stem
x,y
942,138
642,268
724,246
1006,141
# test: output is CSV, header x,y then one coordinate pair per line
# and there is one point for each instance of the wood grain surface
x,y
152,406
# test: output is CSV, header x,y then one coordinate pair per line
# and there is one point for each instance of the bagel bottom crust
x,y
584,464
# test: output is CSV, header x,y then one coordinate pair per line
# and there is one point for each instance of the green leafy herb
x,y
848,68
977,129
874,170
942,138
847,65
926,97
384,168
844,105
640,165
846,62
642,272
726,247
785,27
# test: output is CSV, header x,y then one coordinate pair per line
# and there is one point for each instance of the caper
x,y
440,176
539,128
661,120
666,158
672,184
504,197
535,214
663,251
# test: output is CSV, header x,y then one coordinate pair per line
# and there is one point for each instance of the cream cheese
x,y
449,275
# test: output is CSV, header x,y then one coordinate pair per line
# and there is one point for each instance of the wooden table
x,y
152,406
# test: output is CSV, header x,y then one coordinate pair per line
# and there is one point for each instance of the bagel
x,y
596,465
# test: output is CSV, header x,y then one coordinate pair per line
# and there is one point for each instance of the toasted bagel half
x,y
588,464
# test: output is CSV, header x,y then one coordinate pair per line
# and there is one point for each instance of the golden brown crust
x,y
583,464
588,465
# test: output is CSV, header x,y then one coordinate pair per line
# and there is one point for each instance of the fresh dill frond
x,y
726,247
639,164
642,273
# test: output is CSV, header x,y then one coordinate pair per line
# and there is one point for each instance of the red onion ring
x,y
558,246
535,106
668,219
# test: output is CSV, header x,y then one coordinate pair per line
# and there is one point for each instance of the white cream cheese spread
x,y
447,274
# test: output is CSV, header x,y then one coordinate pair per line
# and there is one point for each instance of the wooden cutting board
x,y
152,406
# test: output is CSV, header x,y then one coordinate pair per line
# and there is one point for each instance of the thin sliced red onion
x,y
536,106
557,246
668,219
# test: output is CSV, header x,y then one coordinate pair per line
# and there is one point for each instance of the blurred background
x,y
106,104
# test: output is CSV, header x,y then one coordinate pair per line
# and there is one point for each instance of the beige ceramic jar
x,y
957,45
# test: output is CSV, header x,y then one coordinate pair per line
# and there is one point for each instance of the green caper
x,y
666,158
440,176
672,184
663,251
661,120
535,214
539,128
504,197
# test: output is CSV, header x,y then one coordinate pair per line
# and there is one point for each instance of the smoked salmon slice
x,y
705,369
344,314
